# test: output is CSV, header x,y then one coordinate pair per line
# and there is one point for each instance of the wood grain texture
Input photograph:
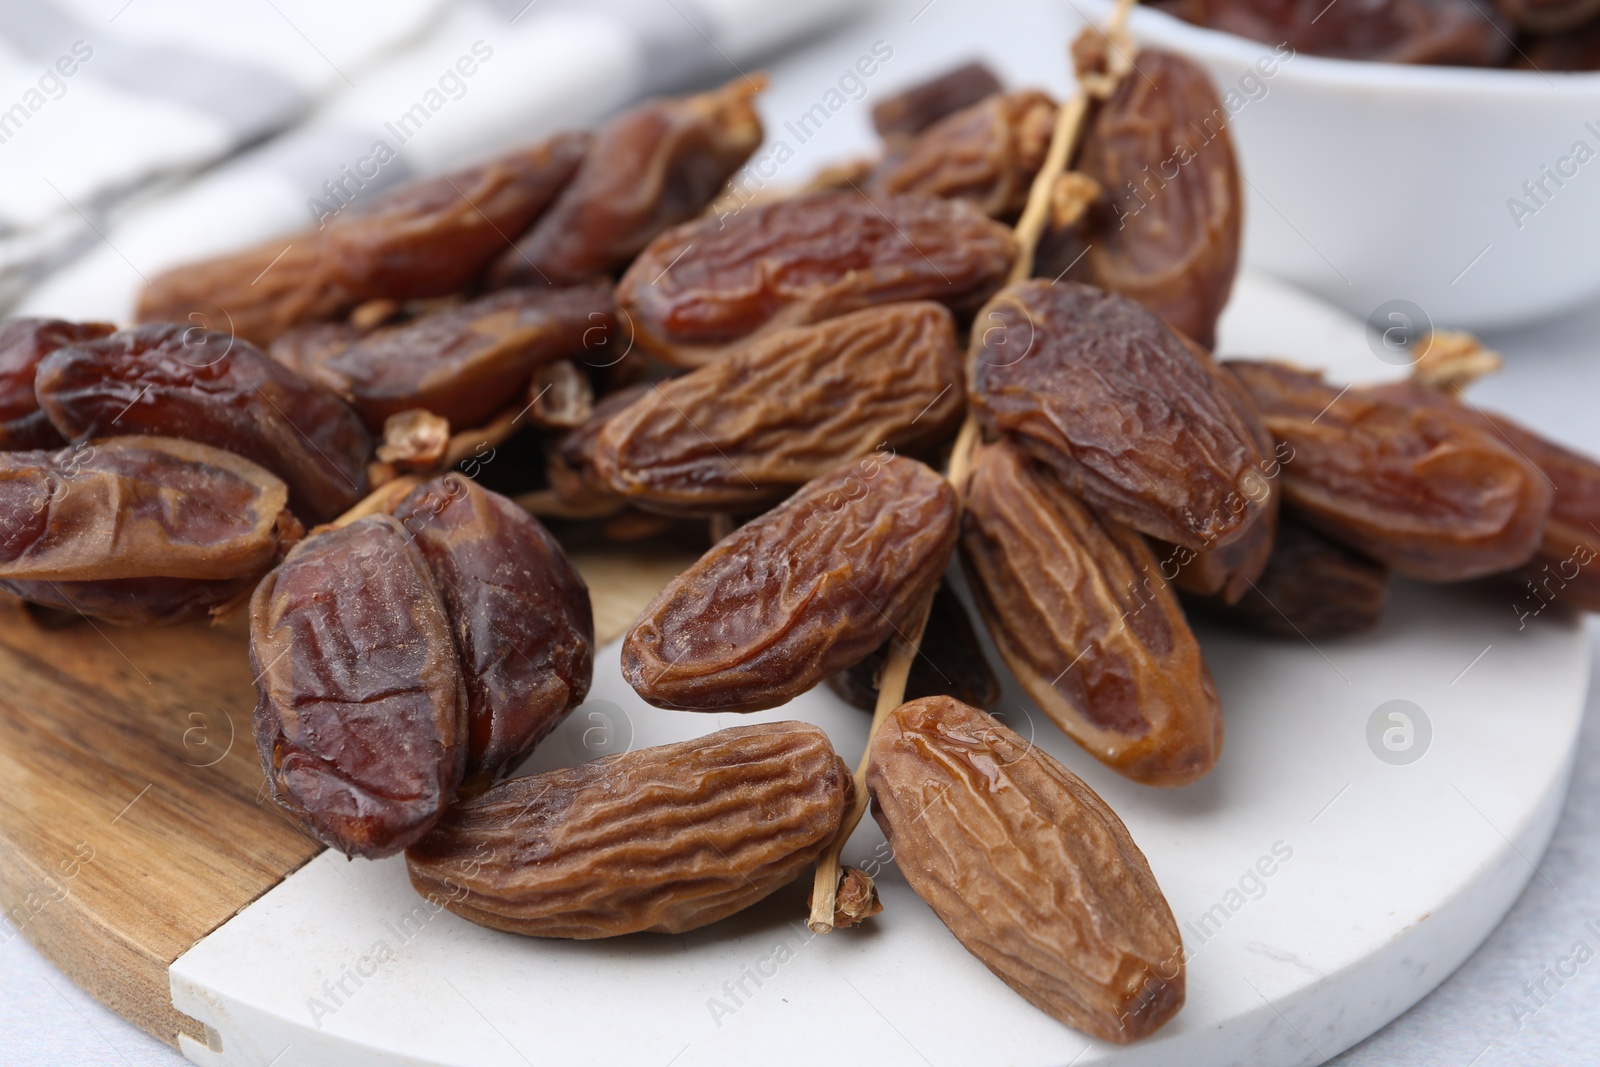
x,y
133,821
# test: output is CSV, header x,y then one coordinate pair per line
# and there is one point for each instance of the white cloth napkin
x,y
440,85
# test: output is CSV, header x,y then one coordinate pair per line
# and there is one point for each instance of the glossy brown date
x,y
1313,587
799,593
739,434
1129,417
1452,32
702,287
361,710
23,343
912,110
653,166
176,381
519,612
1081,614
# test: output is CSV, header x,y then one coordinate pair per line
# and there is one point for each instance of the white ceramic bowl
x,y
1376,182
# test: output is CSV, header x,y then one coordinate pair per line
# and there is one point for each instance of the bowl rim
x,y
1488,82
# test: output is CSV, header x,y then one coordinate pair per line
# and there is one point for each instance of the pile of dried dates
x,y
1549,35
853,384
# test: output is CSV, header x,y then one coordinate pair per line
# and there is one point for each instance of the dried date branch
x,y
903,651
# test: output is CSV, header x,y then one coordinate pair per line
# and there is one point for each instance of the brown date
x,y
950,662
1081,614
306,349
665,839
799,593
1418,489
1312,587
139,530
430,238
702,287
987,153
1030,870
1549,16
1452,32
467,362
1167,231
912,110
569,467
23,343
519,611
176,381
653,166
361,709
739,434
1115,403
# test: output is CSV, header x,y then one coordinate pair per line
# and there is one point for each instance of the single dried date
x,y
665,839
176,381
739,434
1114,402
519,611
950,662
139,529
1453,32
653,166
987,153
23,343
799,593
361,710
912,110
702,287
1167,232
1030,870
1312,587
1079,611
1418,489
466,363
427,239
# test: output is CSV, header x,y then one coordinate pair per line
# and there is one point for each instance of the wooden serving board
x,y
133,815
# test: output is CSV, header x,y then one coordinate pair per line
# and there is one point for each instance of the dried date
x,y
910,111
799,593
950,662
1131,418
1312,587
665,839
519,612
1453,32
1081,614
1418,489
702,287
651,167
739,434
427,239
361,710
466,363
23,343
1030,870
139,529
175,381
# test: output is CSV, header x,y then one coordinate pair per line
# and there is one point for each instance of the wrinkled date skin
x,y
701,287
1081,614
569,467
987,153
665,839
1564,568
1167,232
651,167
799,593
913,110
1030,870
23,343
466,363
139,529
177,381
1135,422
742,433
1418,489
519,611
306,349
1312,587
361,710
427,239
950,662
1452,32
